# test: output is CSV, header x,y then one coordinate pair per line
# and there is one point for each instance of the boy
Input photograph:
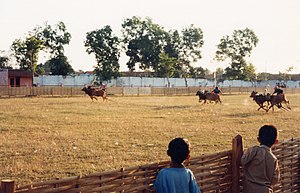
x,y
177,178
260,166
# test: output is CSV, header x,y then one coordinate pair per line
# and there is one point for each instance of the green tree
x,y
197,72
172,44
166,66
41,69
104,45
4,62
263,76
185,47
250,73
26,52
237,48
143,42
54,39
43,39
285,76
220,74
59,65
191,42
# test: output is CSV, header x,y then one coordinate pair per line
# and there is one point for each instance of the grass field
x,y
45,138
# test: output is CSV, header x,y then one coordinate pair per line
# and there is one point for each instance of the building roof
x,y
20,73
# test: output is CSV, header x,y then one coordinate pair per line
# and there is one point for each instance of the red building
x,y
15,78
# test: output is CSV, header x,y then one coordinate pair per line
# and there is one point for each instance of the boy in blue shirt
x,y
177,178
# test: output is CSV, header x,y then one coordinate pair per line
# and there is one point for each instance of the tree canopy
x,y
143,42
105,46
26,52
4,61
45,39
148,45
237,48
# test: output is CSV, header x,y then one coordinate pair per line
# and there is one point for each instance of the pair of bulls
x,y
270,100
95,92
207,96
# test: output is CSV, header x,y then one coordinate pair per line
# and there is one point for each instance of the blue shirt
x,y
176,180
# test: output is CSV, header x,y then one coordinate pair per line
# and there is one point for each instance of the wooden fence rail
x,y
219,172
6,91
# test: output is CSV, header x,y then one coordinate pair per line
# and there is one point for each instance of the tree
x,y
4,62
104,45
143,42
166,66
185,47
54,39
219,74
285,76
46,39
191,42
59,65
26,52
249,72
237,49
197,72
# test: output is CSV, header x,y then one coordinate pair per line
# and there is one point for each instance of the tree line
x,y
148,45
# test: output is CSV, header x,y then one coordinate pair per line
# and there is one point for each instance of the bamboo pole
x,y
237,151
7,186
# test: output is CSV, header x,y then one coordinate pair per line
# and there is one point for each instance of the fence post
x,y
237,151
7,186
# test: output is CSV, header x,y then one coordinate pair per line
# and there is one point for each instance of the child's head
x,y
267,135
179,150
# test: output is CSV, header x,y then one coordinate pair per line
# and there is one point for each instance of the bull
x,y
95,92
277,100
260,100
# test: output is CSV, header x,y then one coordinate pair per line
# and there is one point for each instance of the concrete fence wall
x,y
80,80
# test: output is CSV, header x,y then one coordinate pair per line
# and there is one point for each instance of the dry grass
x,y
44,138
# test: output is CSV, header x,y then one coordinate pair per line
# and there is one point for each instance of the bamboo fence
x,y
215,173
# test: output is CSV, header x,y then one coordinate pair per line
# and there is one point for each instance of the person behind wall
x,y
177,178
260,165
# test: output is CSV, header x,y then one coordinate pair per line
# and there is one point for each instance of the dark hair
x,y
267,135
179,150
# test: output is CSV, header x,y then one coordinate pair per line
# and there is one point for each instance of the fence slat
x,y
7,186
237,151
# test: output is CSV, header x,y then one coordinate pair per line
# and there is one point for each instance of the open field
x,y
45,138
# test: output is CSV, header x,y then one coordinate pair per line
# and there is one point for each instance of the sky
x,y
275,22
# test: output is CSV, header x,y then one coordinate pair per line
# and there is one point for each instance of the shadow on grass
x,y
171,107
245,115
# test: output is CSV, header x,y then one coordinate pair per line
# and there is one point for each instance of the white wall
x,y
3,77
83,79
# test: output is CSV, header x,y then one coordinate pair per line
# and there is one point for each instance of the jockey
x,y
102,86
216,91
277,90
